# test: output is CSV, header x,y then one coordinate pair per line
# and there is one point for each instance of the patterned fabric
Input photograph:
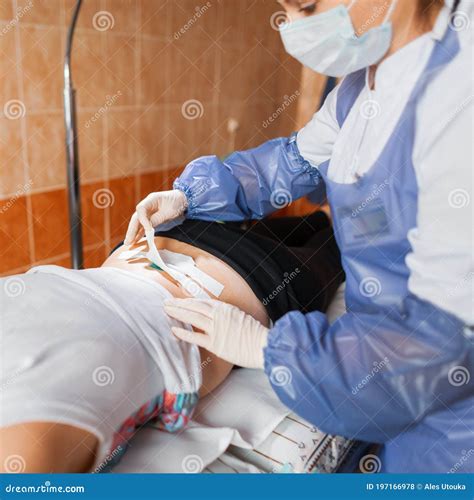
x,y
169,412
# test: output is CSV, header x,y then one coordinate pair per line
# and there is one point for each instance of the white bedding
x,y
240,427
243,411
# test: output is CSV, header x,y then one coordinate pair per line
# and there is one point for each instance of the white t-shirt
x,y
51,303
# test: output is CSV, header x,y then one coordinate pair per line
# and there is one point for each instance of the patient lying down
x,y
89,357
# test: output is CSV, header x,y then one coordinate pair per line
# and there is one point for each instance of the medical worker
x,y
392,150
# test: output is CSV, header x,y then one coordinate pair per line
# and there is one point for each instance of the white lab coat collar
x,y
402,67
406,61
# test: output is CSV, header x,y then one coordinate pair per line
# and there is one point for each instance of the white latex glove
x,y
228,332
154,210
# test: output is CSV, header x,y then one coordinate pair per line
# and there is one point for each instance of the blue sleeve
x,y
370,376
248,184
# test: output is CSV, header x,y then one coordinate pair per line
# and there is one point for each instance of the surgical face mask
x,y
328,44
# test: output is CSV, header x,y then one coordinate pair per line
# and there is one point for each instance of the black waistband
x,y
276,276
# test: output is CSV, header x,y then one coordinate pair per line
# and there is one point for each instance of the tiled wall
x,y
157,83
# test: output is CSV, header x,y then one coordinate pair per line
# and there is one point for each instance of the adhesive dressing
x,y
181,268
186,264
132,254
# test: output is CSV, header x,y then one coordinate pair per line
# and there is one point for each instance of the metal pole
x,y
72,158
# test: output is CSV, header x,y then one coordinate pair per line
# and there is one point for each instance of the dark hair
x,y
425,6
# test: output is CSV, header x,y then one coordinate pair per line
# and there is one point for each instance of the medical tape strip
x,y
186,264
188,284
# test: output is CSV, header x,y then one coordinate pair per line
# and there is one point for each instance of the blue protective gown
x,y
388,370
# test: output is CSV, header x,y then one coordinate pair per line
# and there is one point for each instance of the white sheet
x,y
243,412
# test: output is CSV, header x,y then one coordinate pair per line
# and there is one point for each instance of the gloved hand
x,y
229,333
154,210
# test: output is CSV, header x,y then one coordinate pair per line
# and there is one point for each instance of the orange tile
x,y
123,190
8,68
95,199
152,138
204,134
231,22
50,224
155,17
182,132
120,78
152,181
125,15
191,21
203,72
94,257
62,261
88,69
154,72
171,174
122,143
41,62
6,11
238,61
91,137
14,251
12,172
17,270
40,11
86,15
46,150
